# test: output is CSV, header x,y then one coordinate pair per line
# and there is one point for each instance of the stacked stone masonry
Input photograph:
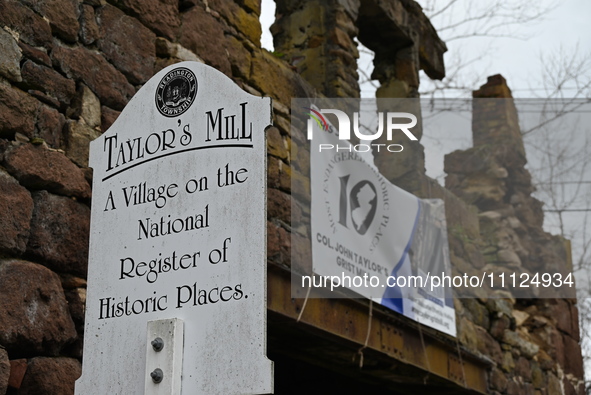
x,y
67,69
534,342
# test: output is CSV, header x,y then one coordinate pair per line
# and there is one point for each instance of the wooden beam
x,y
399,352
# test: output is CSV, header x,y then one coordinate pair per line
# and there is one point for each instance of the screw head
x,y
157,375
157,344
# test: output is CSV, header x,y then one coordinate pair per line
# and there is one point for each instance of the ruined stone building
x,y
68,68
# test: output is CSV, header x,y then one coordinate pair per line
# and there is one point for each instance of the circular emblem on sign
x,y
176,92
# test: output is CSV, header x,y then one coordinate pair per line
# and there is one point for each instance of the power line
x,y
562,182
578,210
544,89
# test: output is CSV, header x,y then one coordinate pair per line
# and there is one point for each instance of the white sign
x,y
178,232
375,238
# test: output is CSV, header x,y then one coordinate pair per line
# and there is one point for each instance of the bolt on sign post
x,y
177,267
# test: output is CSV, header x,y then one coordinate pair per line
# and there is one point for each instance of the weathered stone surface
x,y
86,107
279,205
538,378
495,87
478,313
32,28
59,233
37,167
519,388
4,145
252,6
239,57
89,30
167,49
481,190
301,160
498,380
18,111
109,84
236,16
275,144
202,34
406,67
520,317
272,240
273,172
70,282
282,123
269,74
108,116
523,369
49,81
54,376
560,311
574,316
39,55
499,306
574,360
569,388
11,56
78,138
297,253
529,211
49,126
172,53
62,16
499,325
472,160
16,208
163,63
278,243
554,387
76,302
33,310
95,3
18,368
509,257
467,333
161,16
340,38
393,88
487,345
295,182
186,4
4,370
508,363
44,98
127,44
553,343
527,348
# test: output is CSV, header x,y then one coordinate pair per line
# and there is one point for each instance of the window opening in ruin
x,y
367,86
267,18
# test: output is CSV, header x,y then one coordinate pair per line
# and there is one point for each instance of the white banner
x,y
375,238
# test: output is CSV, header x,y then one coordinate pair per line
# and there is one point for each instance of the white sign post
x,y
178,242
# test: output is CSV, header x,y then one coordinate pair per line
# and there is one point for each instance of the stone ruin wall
x,y
68,67
533,342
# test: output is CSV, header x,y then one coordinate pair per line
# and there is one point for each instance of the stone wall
x,y
534,342
68,67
